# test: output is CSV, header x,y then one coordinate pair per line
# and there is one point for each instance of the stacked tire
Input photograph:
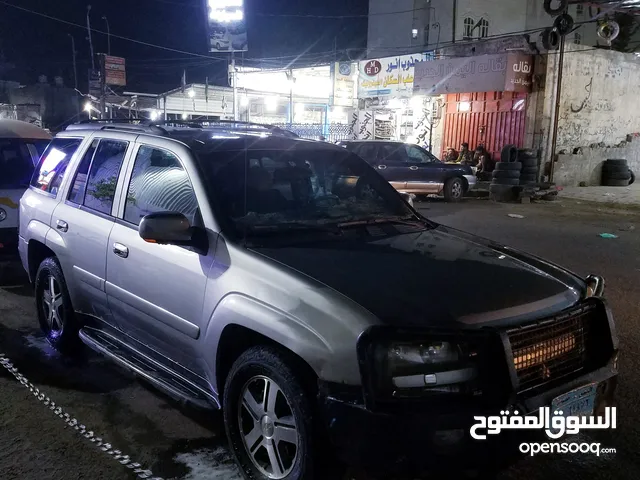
x,y
616,173
506,173
529,160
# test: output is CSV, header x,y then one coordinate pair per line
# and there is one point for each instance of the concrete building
x,y
408,26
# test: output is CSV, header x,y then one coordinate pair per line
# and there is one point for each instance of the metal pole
x,y
556,119
104,17
103,88
93,63
235,86
75,69
290,96
453,26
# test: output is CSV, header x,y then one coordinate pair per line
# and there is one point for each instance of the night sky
x,y
37,45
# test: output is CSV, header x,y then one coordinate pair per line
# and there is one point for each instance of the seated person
x,y
484,162
451,155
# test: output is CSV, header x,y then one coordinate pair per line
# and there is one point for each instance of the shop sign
x,y
390,76
115,72
342,74
510,72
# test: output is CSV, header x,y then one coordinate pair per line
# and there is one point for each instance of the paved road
x,y
187,445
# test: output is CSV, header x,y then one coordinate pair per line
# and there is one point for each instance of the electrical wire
x,y
128,39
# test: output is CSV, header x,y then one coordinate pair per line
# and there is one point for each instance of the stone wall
x,y
586,165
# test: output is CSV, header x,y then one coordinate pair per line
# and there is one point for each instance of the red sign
x,y
115,71
372,68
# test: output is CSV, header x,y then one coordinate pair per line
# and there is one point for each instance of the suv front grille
x,y
548,351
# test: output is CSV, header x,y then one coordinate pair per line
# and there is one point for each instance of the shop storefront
x,y
484,99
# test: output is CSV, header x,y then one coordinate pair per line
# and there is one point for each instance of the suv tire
x,y
53,304
454,189
290,416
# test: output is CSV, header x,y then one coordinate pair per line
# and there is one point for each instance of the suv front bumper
x,y
412,443
472,180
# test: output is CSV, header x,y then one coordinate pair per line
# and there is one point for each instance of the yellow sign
x,y
7,202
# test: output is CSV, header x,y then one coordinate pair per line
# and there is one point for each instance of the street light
x,y
104,17
191,93
88,107
185,116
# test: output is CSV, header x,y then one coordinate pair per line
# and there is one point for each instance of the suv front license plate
x,y
576,403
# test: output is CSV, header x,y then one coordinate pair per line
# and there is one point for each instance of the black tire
x,y
509,154
616,161
529,171
499,189
506,181
255,365
550,39
617,175
557,10
564,24
60,327
632,177
616,183
529,162
506,174
503,166
454,189
609,169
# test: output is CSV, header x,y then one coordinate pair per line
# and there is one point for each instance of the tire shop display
x,y
616,173
555,7
633,177
506,173
529,160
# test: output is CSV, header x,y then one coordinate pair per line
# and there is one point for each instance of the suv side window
x,y
159,184
97,176
393,153
417,155
50,171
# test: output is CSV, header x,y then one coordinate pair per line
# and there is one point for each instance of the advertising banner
x,y
227,28
511,72
342,74
115,72
388,76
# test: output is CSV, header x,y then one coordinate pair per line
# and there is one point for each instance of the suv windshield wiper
x,y
293,226
412,221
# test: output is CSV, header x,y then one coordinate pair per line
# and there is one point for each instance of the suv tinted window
x,y
159,184
416,155
53,164
16,166
368,151
393,153
102,162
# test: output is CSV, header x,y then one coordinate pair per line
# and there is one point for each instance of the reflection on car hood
x,y
436,278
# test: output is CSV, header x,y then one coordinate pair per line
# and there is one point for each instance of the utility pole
x,y
93,63
75,69
103,87
104,17
291,84
556,116
234,84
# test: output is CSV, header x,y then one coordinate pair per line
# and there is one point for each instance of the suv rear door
x,y
156,292
426,172
82,222
392,164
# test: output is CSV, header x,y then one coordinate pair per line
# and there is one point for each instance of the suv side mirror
x,y
166,227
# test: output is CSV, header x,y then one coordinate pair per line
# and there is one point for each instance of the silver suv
x,y
286,282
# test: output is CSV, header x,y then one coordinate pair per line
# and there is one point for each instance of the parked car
x,y
412,169
287,283
220,41
20,147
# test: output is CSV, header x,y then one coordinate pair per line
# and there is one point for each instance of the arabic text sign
x,y
343,83
388,76
115,71
485,73
555,425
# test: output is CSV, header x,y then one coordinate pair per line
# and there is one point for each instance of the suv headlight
x,y
421,364
595,286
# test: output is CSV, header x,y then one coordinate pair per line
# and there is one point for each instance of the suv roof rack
x,y
228,124
129,124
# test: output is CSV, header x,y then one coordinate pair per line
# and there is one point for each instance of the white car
x,y
220,41
20,147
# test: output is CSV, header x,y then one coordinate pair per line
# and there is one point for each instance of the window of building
x,y
159,184
97,176
577,38
468,27
483,28
579,10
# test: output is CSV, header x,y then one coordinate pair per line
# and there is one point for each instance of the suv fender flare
x,y
285,330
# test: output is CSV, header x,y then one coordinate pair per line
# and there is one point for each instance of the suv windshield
x,y
16,161
299,188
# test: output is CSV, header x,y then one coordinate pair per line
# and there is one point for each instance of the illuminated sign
x,y
226,25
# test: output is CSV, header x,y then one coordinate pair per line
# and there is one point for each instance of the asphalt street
x,y
178,443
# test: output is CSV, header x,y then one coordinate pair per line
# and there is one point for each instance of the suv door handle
x,y
413,167
381,167
120,250
62,225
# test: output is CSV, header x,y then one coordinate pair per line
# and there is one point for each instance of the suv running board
x,y
162,377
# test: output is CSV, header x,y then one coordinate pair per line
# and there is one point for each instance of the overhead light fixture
x,y
417,102
153,115
414,33
395,104
464,107
88,107
185,116
338,111
191,93
271,103
244,101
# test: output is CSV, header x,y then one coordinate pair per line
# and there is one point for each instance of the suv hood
x,y
436,278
